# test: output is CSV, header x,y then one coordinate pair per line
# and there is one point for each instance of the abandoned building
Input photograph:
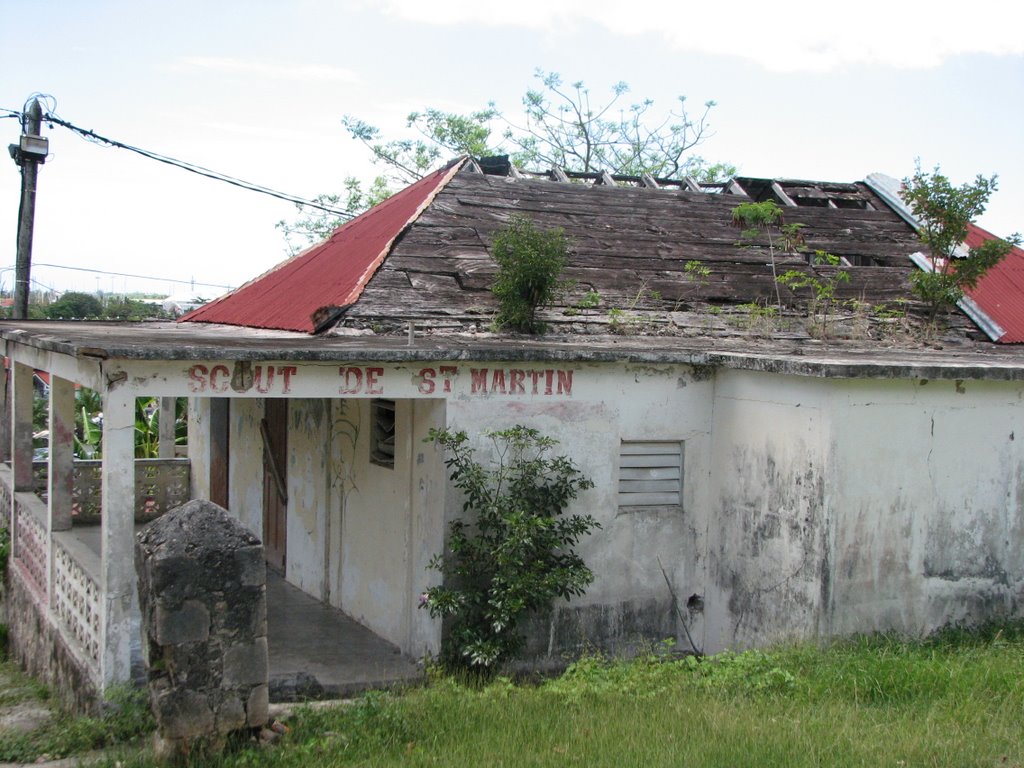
x,y
759,474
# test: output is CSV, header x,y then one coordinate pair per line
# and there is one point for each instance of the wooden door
x,y
220,415
274,429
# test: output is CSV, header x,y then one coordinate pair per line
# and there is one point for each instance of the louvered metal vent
x,y
650,474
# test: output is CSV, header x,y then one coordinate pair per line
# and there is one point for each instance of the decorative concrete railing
x,y
76,594
160,486
30,548
6,497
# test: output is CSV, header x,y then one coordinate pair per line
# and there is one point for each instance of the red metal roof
x,y
308,291
1000,293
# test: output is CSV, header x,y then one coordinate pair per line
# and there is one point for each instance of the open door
x,y
274,429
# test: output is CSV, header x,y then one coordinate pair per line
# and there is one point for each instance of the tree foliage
x,y
315,225
561,124
530,265
74,305
943,212
564,127
513,552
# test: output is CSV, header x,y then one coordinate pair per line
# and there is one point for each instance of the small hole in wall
x,y
695,604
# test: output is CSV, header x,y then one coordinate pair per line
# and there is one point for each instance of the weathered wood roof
x,y
630,243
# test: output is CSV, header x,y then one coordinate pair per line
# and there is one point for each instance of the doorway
x,y
274,430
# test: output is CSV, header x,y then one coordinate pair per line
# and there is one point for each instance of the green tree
x,y
560,124
514,552
943,212
125,308
530,265
75,306
565,128
314,225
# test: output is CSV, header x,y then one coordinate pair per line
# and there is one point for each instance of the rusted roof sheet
x,y
1000,293
310,290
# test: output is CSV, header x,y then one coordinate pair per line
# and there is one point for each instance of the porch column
x,y
21,432
62,433
5,408
167,414
117,571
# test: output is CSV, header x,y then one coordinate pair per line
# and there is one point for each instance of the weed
x,y
590,300
530,264
765,217
621,322
822,288
125,716
758,319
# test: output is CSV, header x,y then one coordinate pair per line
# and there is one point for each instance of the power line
x,y
140,277
209,173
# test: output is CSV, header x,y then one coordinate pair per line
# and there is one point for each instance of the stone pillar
x,y
117,579
202,594
62,448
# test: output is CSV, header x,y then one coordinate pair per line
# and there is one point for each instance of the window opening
x,y
382,446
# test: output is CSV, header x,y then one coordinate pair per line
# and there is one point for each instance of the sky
x,y
257,90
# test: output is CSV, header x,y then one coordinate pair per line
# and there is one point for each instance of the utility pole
x,y
29,154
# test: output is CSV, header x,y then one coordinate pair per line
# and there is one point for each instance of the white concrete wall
x,y
811,506
391,523
427,529
309,494
842,506
768,511
929,501
199,446
629,600
245,466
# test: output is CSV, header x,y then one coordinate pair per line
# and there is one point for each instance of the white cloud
x,y
794,35
275,70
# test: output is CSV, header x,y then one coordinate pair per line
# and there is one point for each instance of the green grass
x,y
954,700
125,717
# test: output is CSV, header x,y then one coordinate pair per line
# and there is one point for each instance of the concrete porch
x,y
316,650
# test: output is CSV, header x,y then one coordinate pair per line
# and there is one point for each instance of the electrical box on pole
x,y
29,153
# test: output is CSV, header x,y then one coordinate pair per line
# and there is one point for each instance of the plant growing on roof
x,y
766,218
943,213
530,265
822,287
514,554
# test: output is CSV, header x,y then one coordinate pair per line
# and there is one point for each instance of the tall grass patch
x,y
955,699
